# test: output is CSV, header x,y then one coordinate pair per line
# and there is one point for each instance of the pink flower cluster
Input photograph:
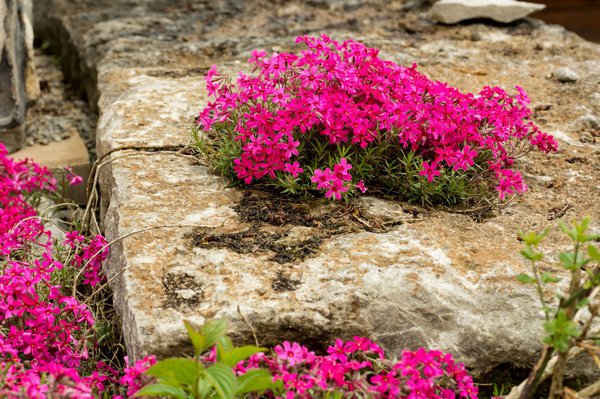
x,y
343,94
334,182
45,333
359,368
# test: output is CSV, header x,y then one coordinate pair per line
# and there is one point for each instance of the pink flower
x,y
292,353
361,186
336,189
294,169
429,170
337,98
340,170
74,179
322,178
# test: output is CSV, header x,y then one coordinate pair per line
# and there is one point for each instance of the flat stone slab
x,y
57,155
195,249
453,11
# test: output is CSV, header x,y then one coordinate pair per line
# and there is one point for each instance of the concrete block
x,y
71,152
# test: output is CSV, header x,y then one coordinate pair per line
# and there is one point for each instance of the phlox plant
x,y
357,368
337,119
47,334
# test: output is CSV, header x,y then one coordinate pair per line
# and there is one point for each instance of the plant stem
x,y
556,388
535,377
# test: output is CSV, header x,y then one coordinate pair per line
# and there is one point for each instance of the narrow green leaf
x,y
224,345
567,260
530,254
593,252
531,238
222,379
571,233
547,277
213,330
257,380
525,279
197,339
234,356
161,390
582,228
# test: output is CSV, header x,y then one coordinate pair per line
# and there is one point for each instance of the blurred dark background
x,y
579,16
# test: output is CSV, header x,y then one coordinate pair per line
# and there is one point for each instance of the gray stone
x,y
18,83
565,75
453,11
587,122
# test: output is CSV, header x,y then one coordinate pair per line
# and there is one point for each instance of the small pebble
x,y
587,122
185,294
565,75
587,138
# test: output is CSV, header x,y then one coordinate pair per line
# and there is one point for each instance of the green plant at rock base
x,y
194,378
569,325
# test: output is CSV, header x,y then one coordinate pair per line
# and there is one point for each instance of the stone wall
x,y
436,278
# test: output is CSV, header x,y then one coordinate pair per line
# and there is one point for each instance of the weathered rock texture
x,y
434,278
18,83
453,11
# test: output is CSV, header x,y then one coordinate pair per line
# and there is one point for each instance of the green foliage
x,y
564,326
560,331
198,378
387,167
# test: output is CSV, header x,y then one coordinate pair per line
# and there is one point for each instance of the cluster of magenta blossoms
x,y
46,334
338,105
359,369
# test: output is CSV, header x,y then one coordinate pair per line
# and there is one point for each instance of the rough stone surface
x,y
58,112
453,11
565,75
434,278
18,82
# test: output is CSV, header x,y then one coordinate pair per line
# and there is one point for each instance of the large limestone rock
x,y
453,11
195,249
18,82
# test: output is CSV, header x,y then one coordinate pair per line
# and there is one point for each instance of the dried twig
x,y
249,325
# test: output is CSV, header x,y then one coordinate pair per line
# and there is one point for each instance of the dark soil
x,y
274,220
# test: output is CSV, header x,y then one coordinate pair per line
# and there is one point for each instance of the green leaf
x,y
530,254
222,379
568,261
180,369
560,331
224,345
161,390
197,339
236,355
547,277
571,233
525,279
531,238
213,330
583,303
582,229
256,380
204,389
594,253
